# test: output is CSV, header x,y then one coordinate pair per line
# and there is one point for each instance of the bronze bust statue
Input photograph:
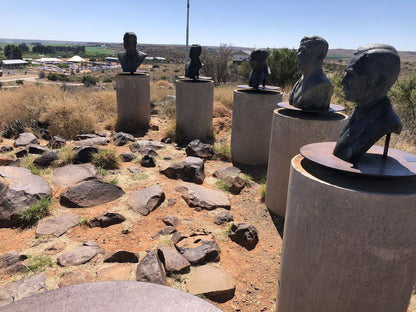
x,y
193,67
372,71
313,90
259,67
131,59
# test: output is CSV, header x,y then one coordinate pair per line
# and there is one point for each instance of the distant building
x,y
111,59
50,60
13,64
241,56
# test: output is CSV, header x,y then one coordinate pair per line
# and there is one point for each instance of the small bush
x,y
88,80
263,187
1,85
35,212
58,77
19,82
109,79
222,151
114,181
222,185
66,156
106,159
163,77
83,221
27,162
38,263
170,131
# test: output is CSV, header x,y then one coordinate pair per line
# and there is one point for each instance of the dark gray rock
x,y
11,263
146,200
25,139
143,146
225,172
56,142
55,248
171,202
148,161
223,216
80,255
150,269
46,159
93,142
84,154
56,226
19,189
199,249
244,235
71,175
172,260
106,220
37,149
20,153
234,184
177,237
171,220
191,170
198,149
135,170
86,136
6,149
121,138
200,197
26,287
167,230
122,256
127,157
90,193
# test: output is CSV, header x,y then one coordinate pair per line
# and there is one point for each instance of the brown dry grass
x,y
160,89
224,94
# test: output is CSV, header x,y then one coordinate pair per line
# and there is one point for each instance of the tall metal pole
x,y
187,32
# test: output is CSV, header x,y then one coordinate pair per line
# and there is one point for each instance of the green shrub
x,y
38,263
65,157
19,82
27,162
58,77
222,151
35,212
109,79
403,95
88,80
106,159
283,67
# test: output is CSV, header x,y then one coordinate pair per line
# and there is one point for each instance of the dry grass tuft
x,y
225,95
159,90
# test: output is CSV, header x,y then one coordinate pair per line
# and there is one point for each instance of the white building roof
x,y
14,62
76,59
50,60
246,52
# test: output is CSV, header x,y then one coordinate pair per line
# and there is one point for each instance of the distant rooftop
x,y
14,62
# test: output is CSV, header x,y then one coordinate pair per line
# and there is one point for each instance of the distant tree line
x,y
48,49
12,52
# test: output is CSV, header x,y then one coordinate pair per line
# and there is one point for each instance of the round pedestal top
x,y
333,108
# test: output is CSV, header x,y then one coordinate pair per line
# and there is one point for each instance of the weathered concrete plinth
x,y
349,242
251,125
111,297
194,105
133,102
290,131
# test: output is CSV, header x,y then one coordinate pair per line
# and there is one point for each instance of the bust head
x,y
372,71
130,41
195,51
258,59
311,53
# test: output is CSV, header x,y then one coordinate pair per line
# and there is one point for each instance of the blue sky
x,y
260,24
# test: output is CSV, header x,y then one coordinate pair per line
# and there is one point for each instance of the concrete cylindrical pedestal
x,y
133,101
251,125
194,105
349,242
290,131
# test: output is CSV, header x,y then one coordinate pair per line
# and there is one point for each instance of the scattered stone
x,y
80,255
84,155
203,198
148,161
106,220
27,286
173,261
223,216
154,127
56,142
177,237
11,263
191,170
85,136
235,184
5,160
212,282
122,256
46,159
126,228
37,149
73,174
127,157
225,172
25,139
5,297
19,189
135,170
166,140
244,235
171,202
198,149
20,153
6,149
90,193
121,138
55,248
150,269
146,200
118,272
93,142
165,231
199,249
171,220
78,276
56,226
143,146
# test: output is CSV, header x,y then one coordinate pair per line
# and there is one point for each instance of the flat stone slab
x,y
203,198
118,272
74,174
25,139
151,270
191,169
5,160
225,172
26,287
173,261
199,249
146,200
80,255
19,189
56,226
211,281
130,296
106,220
198,149
143,146
93,142
90,193
77,276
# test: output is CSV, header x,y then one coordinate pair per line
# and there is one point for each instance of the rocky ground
x,y
143,223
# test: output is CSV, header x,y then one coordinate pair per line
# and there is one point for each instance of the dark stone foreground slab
x,y
112,296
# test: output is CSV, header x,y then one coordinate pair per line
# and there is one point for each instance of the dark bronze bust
x,y
193,67
370,74
313,90
131,59
259,67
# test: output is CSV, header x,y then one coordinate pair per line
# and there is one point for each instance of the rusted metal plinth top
x,y
266,88
112,297
333,108
397,164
